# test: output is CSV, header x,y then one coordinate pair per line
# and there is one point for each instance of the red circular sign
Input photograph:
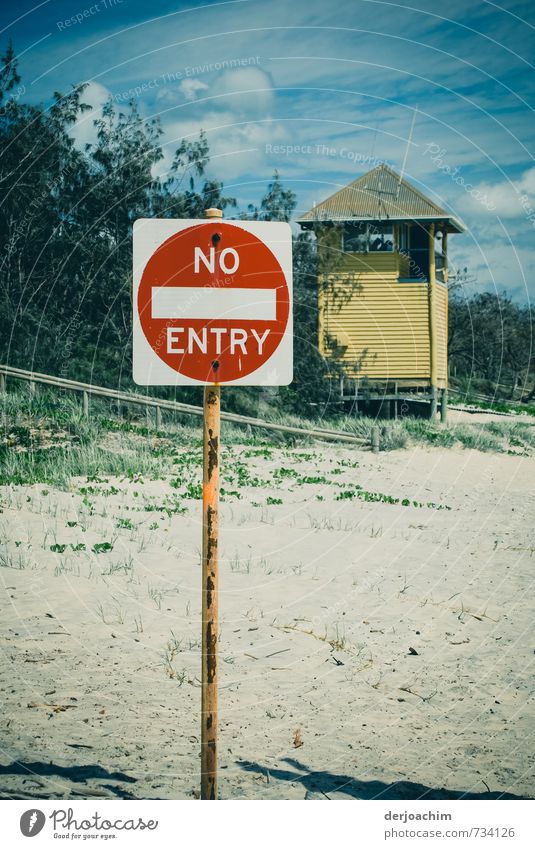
x,y
213,302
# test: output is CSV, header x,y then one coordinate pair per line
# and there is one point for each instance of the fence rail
x,y
159,404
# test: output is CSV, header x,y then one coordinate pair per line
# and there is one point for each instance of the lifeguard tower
x,y
382,289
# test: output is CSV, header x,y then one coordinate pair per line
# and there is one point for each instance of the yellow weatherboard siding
x,y
379,326
442,334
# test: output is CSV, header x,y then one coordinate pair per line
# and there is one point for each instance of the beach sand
x,y
369,648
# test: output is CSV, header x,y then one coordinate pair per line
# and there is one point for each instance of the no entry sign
x,y
212,302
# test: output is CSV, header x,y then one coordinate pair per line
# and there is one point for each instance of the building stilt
x,y
444,407
433,404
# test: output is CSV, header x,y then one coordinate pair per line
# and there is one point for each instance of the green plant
x,y
192,490
126,567
478,438
125,523
101,547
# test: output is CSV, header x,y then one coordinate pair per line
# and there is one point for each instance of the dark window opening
x,y
419,252
368,237
404,238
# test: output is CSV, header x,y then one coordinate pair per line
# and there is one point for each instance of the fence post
x,y
158,418
375,439
86,403
2,382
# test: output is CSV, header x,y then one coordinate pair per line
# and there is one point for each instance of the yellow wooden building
x,y
383,298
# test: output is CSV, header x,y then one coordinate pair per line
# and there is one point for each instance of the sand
x,y
368,648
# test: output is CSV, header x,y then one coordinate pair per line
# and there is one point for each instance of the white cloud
x,y
526,185
84,132
506,199
235,112
245,90
237,145
191,88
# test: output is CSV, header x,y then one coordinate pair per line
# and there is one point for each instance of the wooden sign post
x,y
212,305
210,587
210,582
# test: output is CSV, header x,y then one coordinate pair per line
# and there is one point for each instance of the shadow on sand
x,y
323,783
76,774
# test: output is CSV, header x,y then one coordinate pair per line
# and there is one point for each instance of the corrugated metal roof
x,y
378,195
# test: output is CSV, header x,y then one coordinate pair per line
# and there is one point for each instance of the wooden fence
x,y
160,404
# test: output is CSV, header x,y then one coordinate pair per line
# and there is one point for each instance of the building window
x,y
355,238
368,237
403,238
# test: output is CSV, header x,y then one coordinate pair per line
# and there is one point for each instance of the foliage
x,y
490,340
277,204
66,227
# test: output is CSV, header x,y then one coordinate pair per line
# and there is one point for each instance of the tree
x,y
180,196
66,222
277,204
490,338
38,165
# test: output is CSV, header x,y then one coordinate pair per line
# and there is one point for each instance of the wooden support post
x,y
86,403
444,407
2,382
32,388
158,418
433,404
375,439
432,285
444,400
210,583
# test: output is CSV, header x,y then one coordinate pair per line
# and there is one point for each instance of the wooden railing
x,y
160,404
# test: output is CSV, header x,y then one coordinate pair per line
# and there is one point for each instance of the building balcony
x,y
402,266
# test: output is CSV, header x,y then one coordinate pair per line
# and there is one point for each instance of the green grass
x,y
365,495
481,438
495,406
393,433
57,466
46,439
424,431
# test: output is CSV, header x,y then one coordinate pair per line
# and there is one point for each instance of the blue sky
x,y
321,91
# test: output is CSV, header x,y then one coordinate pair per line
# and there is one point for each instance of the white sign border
x,y
149,235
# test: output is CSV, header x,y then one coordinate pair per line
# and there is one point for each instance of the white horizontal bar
x,y
210,303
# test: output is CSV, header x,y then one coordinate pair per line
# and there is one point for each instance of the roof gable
x,y
377,195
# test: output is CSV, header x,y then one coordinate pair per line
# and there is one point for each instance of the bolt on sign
x,y
212,302
212,306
